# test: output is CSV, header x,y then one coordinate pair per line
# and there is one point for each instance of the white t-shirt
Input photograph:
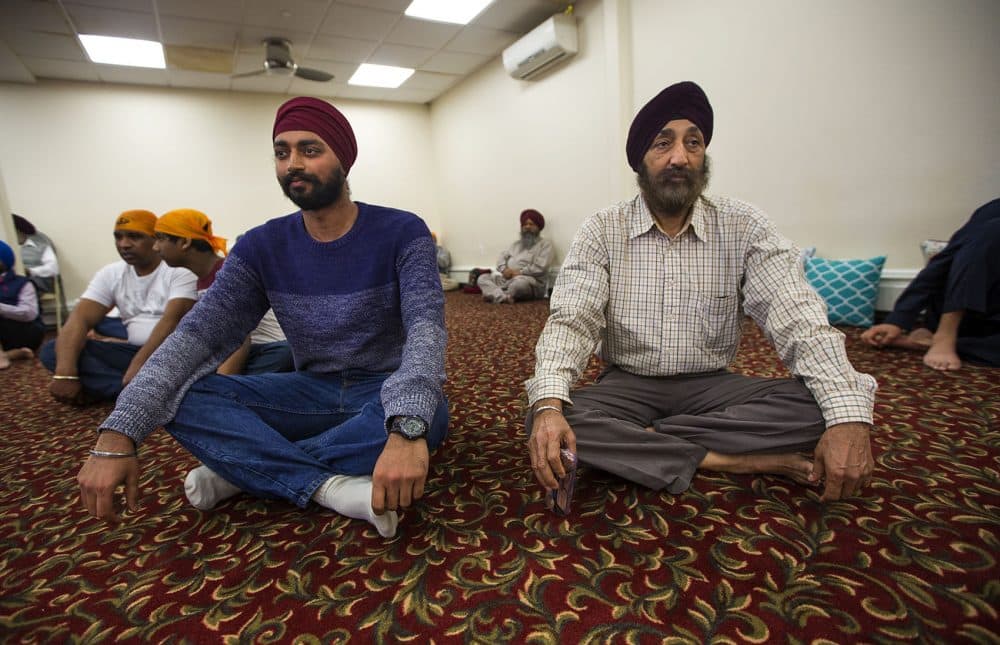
x,y
141,300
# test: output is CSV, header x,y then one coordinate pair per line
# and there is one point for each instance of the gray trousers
x,y
690,414
520,287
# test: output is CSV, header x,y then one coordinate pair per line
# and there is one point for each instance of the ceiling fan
x,y
278,62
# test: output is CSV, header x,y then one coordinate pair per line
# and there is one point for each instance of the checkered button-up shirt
x,y
661,306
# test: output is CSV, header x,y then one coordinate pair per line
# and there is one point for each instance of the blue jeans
x,y
282,435
269,357
101,365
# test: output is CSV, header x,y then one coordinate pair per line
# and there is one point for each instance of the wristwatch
x,y
410,427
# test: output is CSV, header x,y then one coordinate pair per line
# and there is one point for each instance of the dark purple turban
x,y
683,100
534,216
22,225
314,115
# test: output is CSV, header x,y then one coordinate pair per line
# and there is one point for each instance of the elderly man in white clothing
x,y
523,267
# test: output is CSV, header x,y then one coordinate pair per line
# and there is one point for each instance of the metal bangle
x,y
61,377
105,453
547,407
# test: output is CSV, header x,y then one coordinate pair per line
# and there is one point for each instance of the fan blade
x,y
313,74
246,74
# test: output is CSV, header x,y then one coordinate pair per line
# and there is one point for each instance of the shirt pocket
x,y
721,321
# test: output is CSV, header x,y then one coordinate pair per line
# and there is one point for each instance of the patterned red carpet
x,y
479,559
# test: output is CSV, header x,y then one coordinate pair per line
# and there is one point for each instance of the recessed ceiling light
x,y
380,75
459,12
124,51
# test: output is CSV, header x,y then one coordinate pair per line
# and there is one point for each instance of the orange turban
x,y
192,224
137,220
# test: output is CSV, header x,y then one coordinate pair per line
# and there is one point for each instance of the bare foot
x,y
20,354
4,361
942,358
795,466
917,340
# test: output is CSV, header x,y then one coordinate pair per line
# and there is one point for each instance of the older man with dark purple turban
x,y
356,291
523,267
661,283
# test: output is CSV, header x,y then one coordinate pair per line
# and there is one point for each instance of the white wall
x,y
860,127
74,155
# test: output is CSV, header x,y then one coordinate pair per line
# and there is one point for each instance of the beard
x,y
528,239
666,196
322,193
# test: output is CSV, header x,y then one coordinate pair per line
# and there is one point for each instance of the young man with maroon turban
x,y
662,282
355,288
523,267
151,298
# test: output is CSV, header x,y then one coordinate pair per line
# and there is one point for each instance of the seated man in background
x,y
37,254
523,266
356,289
444,265
151,296
959,294
21,328
184,239
665,280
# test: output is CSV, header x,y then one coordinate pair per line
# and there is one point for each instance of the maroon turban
x,y
22,225
532,215
314,115
683,100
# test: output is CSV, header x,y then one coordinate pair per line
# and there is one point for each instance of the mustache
x,y
669,174
296,175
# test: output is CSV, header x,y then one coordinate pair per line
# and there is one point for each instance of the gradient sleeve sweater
x,y
370,300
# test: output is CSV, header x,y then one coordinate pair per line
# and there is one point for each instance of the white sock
x,y
204,489
352,496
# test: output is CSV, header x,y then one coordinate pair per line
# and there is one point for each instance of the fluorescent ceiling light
x,y
124,51
459,12
380,75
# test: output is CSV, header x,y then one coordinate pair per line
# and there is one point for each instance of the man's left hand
x,y
844,457
400,473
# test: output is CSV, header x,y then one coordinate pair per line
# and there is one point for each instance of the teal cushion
x,y
849,288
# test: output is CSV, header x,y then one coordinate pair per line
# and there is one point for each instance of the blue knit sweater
x,y
370,300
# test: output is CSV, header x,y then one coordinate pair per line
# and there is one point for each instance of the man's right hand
x,y
549,433
100,477
66,390
881,335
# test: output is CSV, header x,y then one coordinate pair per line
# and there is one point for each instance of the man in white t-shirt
x,y
151,297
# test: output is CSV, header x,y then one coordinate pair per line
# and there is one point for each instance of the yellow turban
x,y
137,220
189,223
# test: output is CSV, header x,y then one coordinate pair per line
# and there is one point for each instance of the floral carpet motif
x,y
479,559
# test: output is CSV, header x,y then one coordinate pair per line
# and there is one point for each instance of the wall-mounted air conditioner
x,y
542,47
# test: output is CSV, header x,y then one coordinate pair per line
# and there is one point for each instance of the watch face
x,y
410,427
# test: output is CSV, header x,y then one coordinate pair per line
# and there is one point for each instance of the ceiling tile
x,y
355,22
397,6
113,22
41,45
27,15
341,49
479,40
518,16
454,63
134,75
12,68
252,38
203,80
422,33
302,87
400,56
430,81
341,71
300,15
199,33
413,96
276,84
63,69
218,10
128,5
